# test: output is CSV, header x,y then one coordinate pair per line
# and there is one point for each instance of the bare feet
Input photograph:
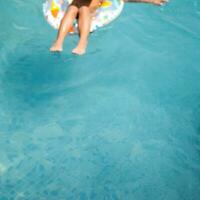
x,y
159,2
80,49
56,47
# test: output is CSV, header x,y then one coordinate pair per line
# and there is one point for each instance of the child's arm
x,y
155,2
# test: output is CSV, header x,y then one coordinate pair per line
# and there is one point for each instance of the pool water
x,y
119,123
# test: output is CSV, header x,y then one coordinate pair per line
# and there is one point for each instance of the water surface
x,y
120,123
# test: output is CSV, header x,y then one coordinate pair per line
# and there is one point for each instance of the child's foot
x,y
56,47
80,49
159,2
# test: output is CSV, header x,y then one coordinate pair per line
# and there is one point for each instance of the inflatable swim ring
x,y
109,10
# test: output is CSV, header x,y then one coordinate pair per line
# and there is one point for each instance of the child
x,y
83,11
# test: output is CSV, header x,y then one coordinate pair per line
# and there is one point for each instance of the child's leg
x,y
64,28
84,23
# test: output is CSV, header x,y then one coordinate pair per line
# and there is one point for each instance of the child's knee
x,y
73,9
84,11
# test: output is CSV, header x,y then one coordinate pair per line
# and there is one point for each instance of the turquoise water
x,y
120,123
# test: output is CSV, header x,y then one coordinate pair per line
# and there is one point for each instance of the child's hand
x,y
158,2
